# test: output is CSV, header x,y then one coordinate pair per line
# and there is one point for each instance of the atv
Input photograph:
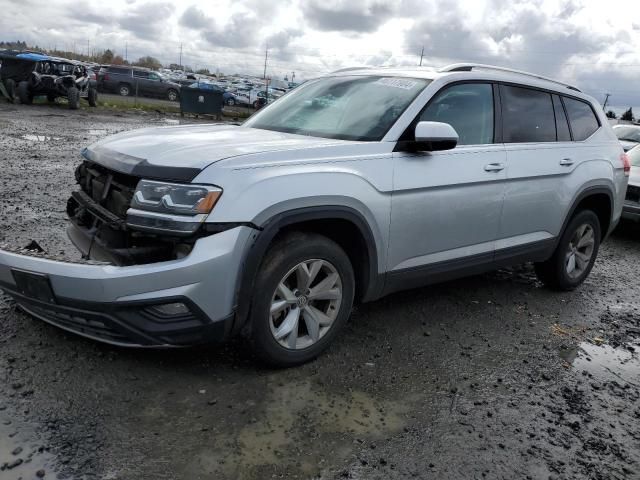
x,y
27,75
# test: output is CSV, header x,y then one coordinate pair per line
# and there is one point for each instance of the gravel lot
x,y
488,377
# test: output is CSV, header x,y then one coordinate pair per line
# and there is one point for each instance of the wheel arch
x,y
600,199
363,252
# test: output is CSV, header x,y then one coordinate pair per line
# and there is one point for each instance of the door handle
x,y
566,162
494,167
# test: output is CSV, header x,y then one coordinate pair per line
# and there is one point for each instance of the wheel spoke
x,y
289,326
586,239
322,319
331,294
278,305
325,285
582,260
305,275
286,293
312,323
571,263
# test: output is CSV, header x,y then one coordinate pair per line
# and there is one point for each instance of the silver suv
x,y
351,187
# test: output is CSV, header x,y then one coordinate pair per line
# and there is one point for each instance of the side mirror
x,y
434,136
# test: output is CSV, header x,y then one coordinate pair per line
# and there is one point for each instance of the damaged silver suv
x,y
351,187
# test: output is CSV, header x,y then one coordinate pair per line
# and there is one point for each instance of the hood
x,y
180,153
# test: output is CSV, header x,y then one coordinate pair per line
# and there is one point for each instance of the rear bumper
x,y
109,303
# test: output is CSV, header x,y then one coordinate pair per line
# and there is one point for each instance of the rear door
x,y
541,159
446,205
141,82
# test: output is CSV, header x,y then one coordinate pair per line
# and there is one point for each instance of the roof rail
x,y
467,67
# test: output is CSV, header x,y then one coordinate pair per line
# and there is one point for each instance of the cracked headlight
x,y
172,207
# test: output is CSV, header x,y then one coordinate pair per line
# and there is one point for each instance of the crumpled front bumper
x,y
110,303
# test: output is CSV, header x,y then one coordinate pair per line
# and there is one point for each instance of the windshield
x,y
632,134
348,108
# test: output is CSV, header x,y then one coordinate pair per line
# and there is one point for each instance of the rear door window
x,y
582,118
468,108
120,71
562,126
527,115
140,74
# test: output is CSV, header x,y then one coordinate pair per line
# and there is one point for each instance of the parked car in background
x,y
629,135
135,80
631,209
353,186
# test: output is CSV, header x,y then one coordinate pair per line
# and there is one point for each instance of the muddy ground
x,y
488,377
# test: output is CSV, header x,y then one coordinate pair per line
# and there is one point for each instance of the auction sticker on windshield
x,y
397,83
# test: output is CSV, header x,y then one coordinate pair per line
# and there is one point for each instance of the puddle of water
x,y
606,363
19,450
97,132
39,138
298,418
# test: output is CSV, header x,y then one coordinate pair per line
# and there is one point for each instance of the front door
x,y
446,205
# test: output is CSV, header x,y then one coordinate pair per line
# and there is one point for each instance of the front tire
x,y
24,93
302,298
124,90
92,97
10,86
73,96
575,254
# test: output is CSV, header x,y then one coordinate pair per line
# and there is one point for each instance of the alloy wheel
x,y
305,304
580,250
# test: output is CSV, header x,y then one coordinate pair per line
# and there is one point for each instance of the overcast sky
x,y
594,43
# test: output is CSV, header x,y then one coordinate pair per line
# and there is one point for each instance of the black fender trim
x,y
584,194
275,224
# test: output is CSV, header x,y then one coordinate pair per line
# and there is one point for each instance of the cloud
x,y
280,43
195,18
347,15
148,20
239,32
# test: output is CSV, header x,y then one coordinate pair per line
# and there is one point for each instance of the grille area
x,y
84,323
633,194
110,189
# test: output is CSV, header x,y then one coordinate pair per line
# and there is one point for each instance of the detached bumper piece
x,y
135,324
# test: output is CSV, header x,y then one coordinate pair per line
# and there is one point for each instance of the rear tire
x,y
10,86
73,95
575,254
124,90
24,93
92,97
279,287
172,95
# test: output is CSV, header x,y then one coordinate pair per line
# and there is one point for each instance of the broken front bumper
x,y
114,304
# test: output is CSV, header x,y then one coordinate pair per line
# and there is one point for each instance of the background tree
x,y
203,71
118,60
174,66
611,114
148,62
628,115
107,56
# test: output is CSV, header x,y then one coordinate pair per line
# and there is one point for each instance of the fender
x,y
276,223
581,196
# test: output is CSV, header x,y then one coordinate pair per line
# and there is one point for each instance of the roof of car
x,y
464,71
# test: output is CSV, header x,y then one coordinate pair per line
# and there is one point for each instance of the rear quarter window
x,y
582,118
119,71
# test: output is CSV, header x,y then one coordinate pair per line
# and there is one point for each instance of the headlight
x,y
173,207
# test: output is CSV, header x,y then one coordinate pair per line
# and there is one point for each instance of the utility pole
x,y
126,50
421,55
266,53
606,100
180,63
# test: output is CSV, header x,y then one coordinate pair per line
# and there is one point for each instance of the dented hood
x,y
179,153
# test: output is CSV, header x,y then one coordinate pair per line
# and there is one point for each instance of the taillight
x,y
626,164
105,76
